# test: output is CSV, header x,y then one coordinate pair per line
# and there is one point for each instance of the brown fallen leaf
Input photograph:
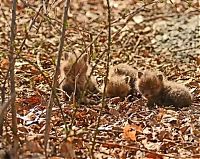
x,y
22,129
114,112
81,115
33,146
129,132
198,60
4,64
31,100
153,156
111,145
38,78
159,116
115,100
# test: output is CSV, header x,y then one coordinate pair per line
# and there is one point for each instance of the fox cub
x,y
74,74
160,91
121,80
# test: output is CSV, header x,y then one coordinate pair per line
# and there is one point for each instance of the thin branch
x,y
128,16
106,80
37,67
3,94
12,77
134,148
30,27
5,105
3,88
3,110
32,22
53,91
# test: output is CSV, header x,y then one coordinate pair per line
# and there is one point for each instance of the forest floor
x,y
163,36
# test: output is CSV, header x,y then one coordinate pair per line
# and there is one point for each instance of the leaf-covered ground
x,y
164,36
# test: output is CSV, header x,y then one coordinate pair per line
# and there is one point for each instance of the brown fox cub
x,y
159,91
118,86
74,72
121,80
126,70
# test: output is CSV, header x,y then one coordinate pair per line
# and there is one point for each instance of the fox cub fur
x,y
121,80
74,74
160,91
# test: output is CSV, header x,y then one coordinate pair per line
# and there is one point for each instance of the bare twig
x,y
53,92
75,106
3,94
12,77
5,105
106,80
44,6
129,17
37,67
3,88
94,40
185,49
189,3
171,2
32,22
92,70
30,27
81,33
131,148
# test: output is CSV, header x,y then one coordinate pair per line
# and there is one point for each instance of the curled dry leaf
x,y
129,132
4,64
81,115
170,117
115,100
184,128
160,114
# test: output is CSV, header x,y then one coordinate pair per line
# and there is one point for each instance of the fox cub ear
x,y
65,55
160,77
127,79
84,57
140,74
